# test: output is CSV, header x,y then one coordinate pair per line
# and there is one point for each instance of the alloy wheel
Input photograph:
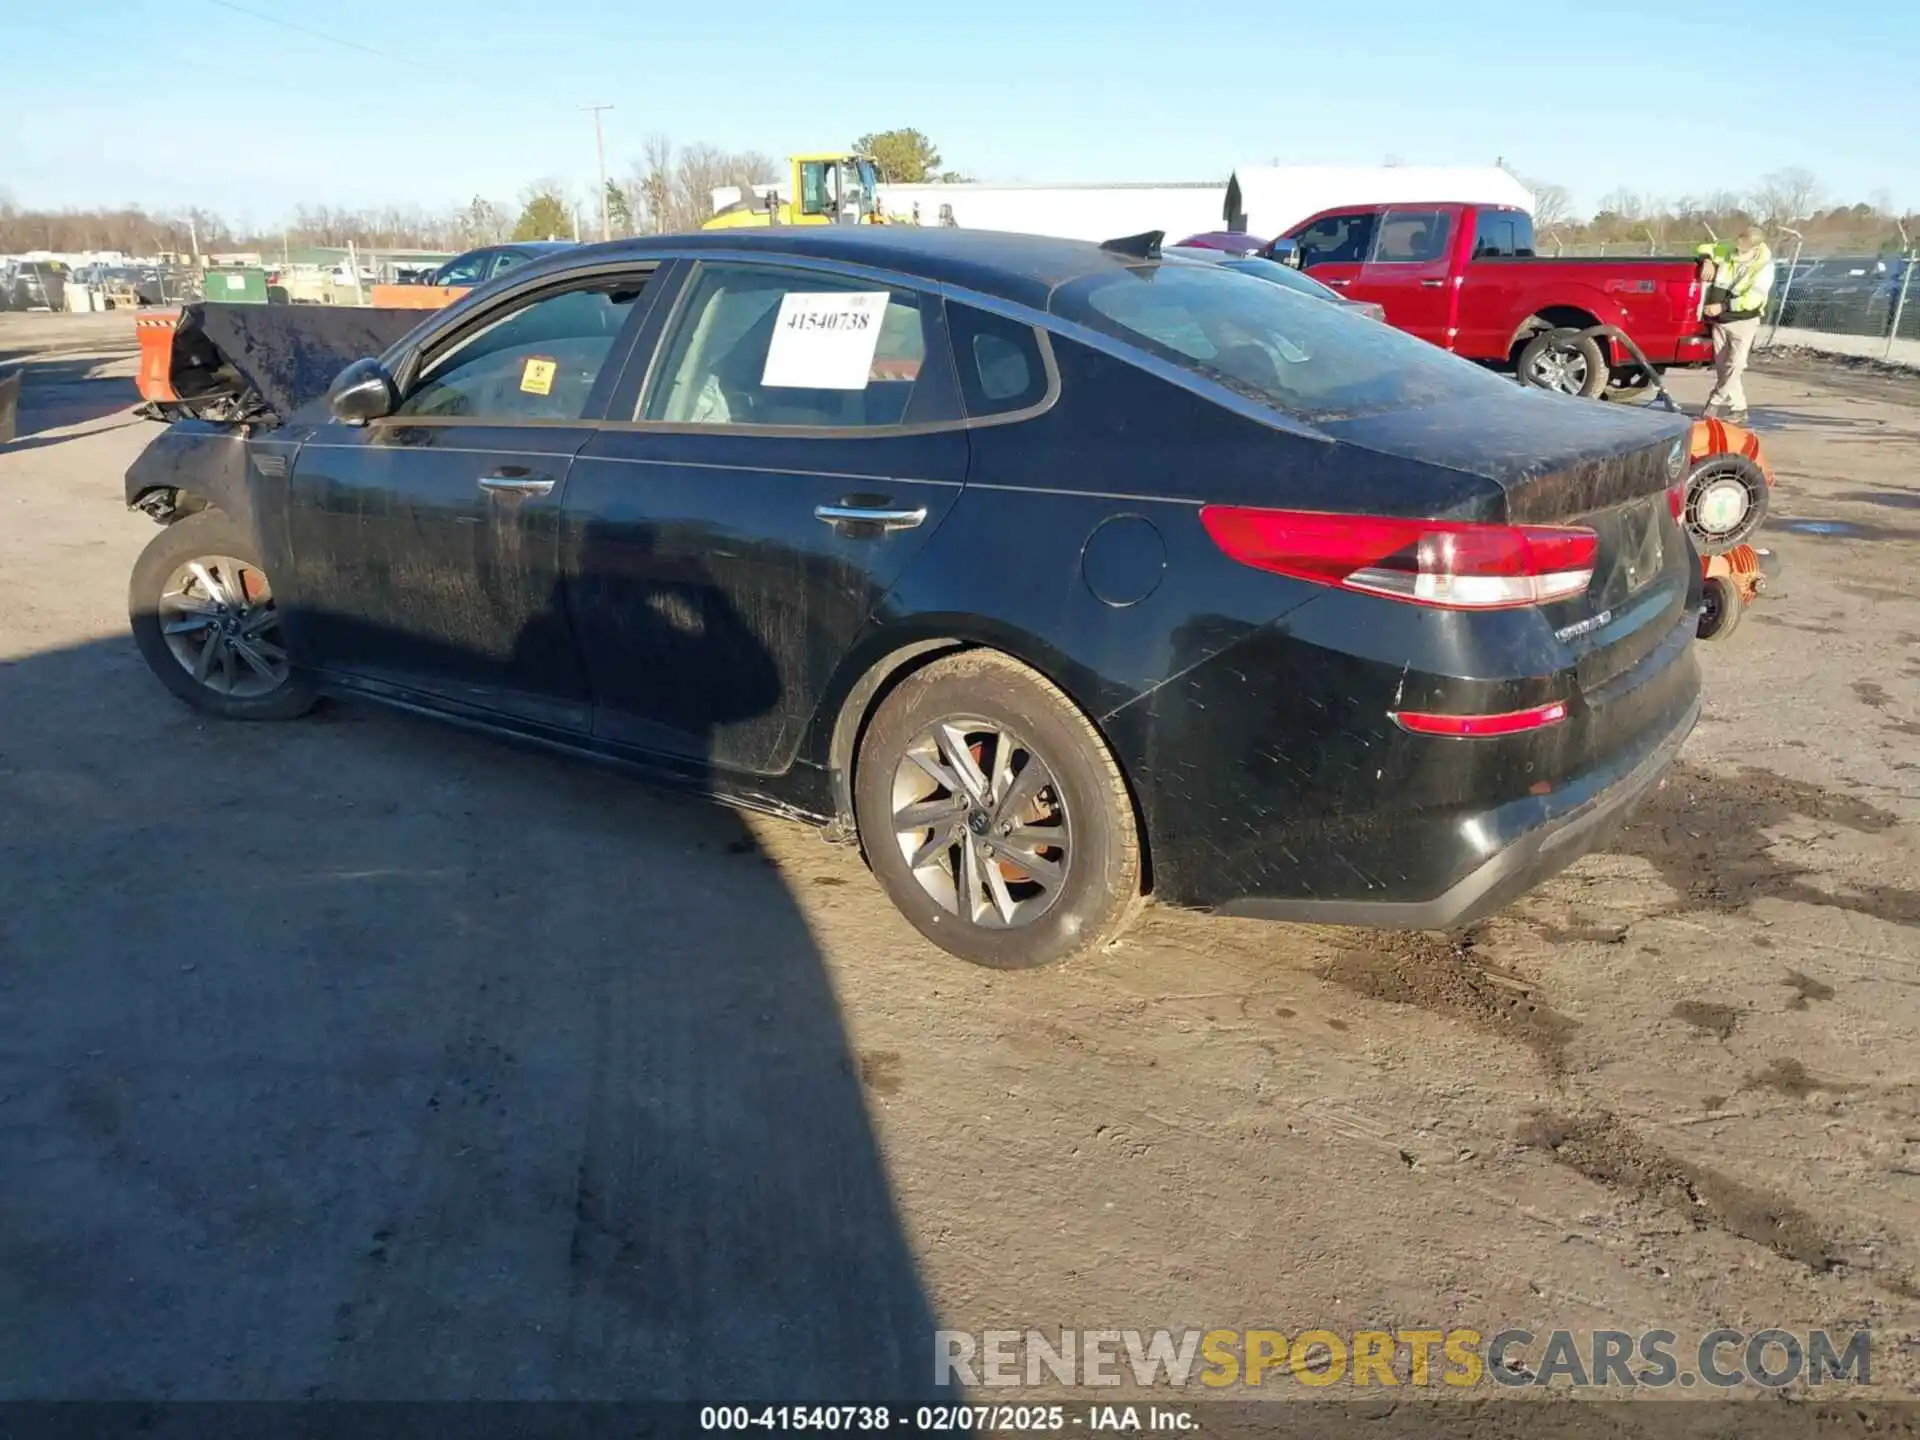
x,y
219,621
982,823
1559,368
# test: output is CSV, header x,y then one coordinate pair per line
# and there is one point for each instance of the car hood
x,y
287,355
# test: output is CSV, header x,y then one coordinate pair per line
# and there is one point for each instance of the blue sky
x,y
176,102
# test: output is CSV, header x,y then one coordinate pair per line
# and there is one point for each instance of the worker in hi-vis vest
x,y
1737,277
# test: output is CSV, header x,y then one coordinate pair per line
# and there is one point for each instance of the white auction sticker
x,y
825,341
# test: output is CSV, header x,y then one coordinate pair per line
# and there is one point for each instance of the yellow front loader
x,y
820,190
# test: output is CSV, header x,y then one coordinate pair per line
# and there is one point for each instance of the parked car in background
x,y
1275,273
1844,294
477,267
1466,278
1230,242
1051,572
36,285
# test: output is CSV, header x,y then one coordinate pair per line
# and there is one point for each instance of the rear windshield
x,y
1299,355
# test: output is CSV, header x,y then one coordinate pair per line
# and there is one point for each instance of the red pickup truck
x,y
1465,277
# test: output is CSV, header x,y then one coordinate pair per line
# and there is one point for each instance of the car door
x,y
1407,273
1333,247
425,545
794,441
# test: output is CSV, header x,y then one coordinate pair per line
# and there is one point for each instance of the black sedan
x,y
1055,575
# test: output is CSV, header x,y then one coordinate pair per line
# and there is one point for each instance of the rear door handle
x,y
1433,284
515,480
884,517
1337,284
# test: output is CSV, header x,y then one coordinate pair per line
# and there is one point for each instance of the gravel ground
x,y
361,1058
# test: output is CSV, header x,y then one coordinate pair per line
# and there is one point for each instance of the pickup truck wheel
x,y
1564,361
204,617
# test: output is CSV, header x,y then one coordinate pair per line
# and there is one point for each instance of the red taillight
x,y
1510,722
1445,563
1677,500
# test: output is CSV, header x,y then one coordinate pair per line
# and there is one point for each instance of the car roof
x,y
1023,269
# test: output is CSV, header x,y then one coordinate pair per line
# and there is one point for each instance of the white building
x,y
1071,212
1269,200
1263,200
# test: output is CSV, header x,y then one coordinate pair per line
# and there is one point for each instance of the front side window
x,y
538,362
757,346
1295,354
1337,239
1412,237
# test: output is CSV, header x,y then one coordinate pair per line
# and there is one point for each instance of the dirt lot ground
x,y
358,1057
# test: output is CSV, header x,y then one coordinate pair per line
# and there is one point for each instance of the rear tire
x,y
1565,362
203,615
991,779
1720,608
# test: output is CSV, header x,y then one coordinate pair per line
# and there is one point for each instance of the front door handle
x,y
881,516
1337,284
516,480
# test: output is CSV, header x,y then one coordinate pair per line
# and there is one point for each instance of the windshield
x,y
1296,354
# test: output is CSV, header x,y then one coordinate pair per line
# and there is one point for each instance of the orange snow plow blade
x,y
155,333
415,297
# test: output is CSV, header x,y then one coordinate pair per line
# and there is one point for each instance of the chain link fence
x,y
1819,289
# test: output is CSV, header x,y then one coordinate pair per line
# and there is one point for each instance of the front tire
x,y
1566,362
204,617
994,816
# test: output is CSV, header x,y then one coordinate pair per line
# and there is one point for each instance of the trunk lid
x,y
1564,461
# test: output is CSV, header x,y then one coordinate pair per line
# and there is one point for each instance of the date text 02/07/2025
x,y
950,1419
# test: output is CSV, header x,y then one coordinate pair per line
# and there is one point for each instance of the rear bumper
x,y
1531,840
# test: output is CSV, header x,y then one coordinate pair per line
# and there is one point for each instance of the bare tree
x,y
1786,196
1624,203
1552,204
701,169
649,185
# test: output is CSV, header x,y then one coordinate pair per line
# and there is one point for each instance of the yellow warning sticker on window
x,y
536,377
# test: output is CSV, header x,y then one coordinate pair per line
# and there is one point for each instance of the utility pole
x,y
600,149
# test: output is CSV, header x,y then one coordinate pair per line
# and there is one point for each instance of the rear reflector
x,y
1446,563
1512,722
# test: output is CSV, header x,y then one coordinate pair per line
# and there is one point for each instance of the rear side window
x,y
1409,237
752,345
1337,239
1294,354
1000,365
1503,235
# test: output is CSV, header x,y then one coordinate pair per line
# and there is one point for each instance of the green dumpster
x,y
238,285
